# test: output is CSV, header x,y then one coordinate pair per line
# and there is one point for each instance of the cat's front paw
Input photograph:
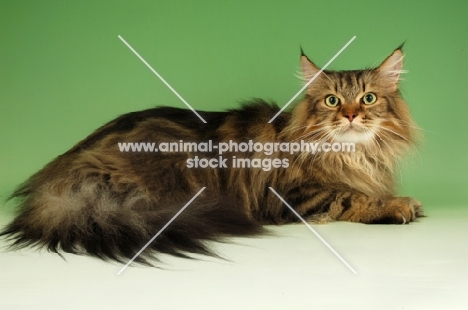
x,y
401,210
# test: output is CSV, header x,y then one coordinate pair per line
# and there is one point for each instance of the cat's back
x,y
170,123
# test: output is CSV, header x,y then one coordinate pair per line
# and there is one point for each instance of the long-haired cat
x,y
102,201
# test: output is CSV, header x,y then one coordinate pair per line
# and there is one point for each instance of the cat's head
x,y
360,106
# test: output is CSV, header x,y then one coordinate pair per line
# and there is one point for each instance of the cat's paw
x,y
401,210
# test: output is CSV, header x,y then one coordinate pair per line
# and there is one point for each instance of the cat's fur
x,y
97,200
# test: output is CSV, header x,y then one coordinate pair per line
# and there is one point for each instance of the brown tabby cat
x,y
99,200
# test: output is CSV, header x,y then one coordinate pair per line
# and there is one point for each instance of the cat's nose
x,y
350,116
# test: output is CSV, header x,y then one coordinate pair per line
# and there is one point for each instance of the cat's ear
x,y
391,68
309,70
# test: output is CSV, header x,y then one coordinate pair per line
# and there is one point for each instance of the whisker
x,y
386,132
392,131
313,133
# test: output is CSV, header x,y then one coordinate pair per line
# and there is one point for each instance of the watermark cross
x,y
203,120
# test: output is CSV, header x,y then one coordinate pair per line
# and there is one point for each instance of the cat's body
x,y
99,200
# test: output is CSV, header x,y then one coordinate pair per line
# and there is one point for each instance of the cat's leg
x,y
321,204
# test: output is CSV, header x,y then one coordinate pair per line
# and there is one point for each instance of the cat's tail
x,y
114,225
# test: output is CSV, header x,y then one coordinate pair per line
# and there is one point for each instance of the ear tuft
x,y
302,52
309,70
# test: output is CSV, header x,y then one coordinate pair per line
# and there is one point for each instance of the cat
x,y
101,200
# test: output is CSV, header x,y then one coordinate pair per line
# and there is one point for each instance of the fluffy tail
x,y
95,220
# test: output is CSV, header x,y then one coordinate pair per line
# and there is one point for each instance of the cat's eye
x,y
332,100
369,98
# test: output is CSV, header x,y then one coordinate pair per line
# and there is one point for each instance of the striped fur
x,y
99,201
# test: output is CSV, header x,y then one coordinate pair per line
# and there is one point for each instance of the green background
x,y
64,72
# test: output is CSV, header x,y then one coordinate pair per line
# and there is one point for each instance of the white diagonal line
x,y
312,79
311,229
162,79
161,230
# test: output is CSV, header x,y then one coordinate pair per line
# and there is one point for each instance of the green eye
x,y
369,98
332,101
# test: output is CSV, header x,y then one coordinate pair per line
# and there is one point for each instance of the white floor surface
x,y
417,266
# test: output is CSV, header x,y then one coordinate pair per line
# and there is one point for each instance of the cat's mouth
x,y
351,128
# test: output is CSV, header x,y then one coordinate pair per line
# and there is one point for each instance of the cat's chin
x,y
354,136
